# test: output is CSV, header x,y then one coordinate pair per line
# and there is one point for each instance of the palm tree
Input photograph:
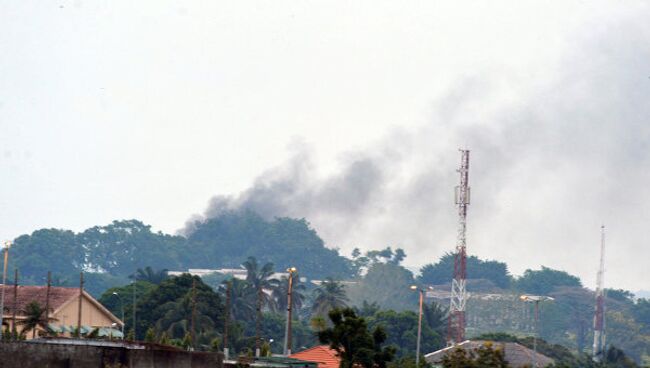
x,y
327,296
279,294
35,317
318,323
150,275
242,299
177,319
435,316
259,279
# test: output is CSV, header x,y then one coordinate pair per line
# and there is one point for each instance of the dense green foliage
x,y
542,282
375,282
107,254
110,254
484,356
329,295
402,329
168,307
439,273
354,343
387,284
150,275
119,299
227,240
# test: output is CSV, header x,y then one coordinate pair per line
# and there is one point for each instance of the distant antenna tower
x,y
456,321
599,314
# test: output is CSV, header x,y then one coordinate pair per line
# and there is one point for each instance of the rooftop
x,y
27,294
322,354
517,355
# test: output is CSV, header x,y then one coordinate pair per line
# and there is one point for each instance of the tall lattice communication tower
x,y
599,313
456,321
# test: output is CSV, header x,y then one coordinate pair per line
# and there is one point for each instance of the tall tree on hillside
x,y
231,235
47,249
388,285
327,296
544,281
242,299
150,275
260,279
439,273
123,246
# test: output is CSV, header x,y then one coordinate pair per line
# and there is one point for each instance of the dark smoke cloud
x,y
293,190
549,164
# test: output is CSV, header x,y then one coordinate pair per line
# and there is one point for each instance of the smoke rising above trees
x,y
549,161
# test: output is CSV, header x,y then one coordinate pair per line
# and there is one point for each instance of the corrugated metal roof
x,y
516,355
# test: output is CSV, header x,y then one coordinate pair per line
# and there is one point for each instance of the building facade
x,y
63,311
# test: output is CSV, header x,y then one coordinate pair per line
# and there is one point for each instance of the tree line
x,y
164,312
110,254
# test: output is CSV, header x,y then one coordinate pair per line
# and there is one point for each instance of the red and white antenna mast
x,y
599,314
456,321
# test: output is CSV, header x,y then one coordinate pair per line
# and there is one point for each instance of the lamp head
x,y
7,244
292,269
413,287
535,298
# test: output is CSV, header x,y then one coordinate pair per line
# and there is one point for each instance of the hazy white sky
x,y
119,109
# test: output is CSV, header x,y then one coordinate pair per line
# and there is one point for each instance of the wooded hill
x,y
110,254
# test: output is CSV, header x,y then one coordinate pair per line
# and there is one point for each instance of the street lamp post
x,y
287,334
535,299
122,309
6,247
135,332
421,301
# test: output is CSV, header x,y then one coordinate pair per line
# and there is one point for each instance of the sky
x,y
347,113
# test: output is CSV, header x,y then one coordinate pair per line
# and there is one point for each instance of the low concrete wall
x,y
35,355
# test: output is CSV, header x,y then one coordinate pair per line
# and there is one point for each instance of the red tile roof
x,y
27,294
322,354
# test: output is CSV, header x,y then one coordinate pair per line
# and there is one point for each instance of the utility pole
x,y
226,320
456,321
420,303
81,292
119,297
258,321
135,330
535,299
13,317
7,244
287,334
193,322
599,313
47,297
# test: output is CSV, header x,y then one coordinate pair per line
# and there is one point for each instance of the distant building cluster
x,y
238,273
